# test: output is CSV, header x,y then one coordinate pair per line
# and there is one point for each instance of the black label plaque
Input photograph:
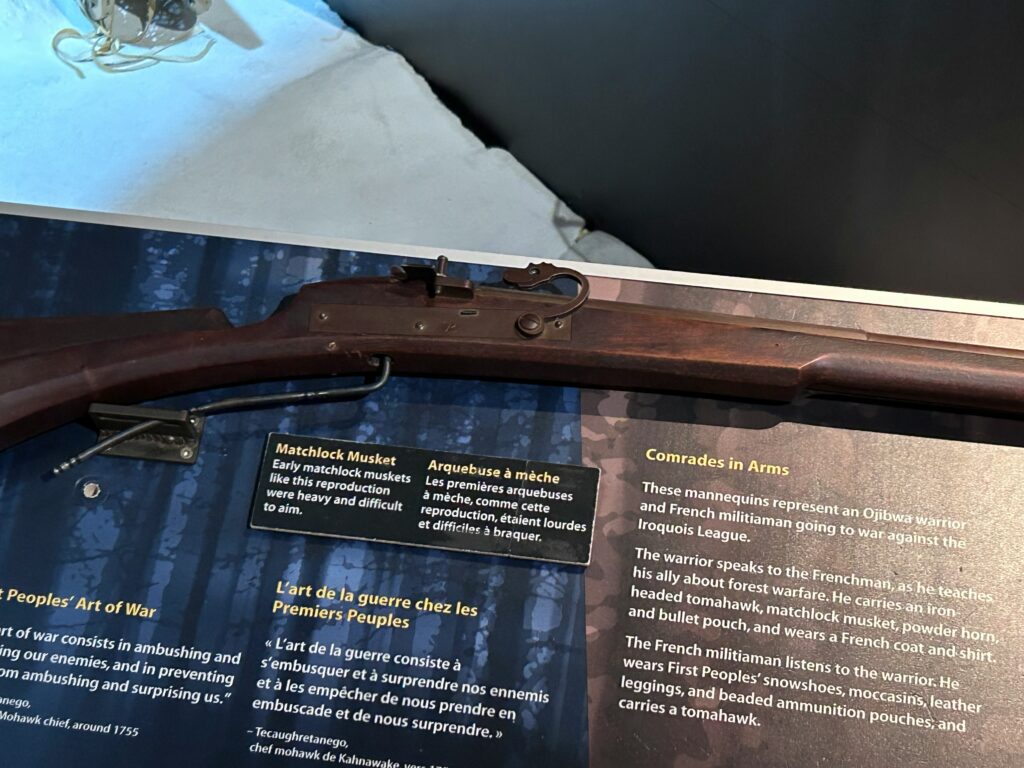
x,y
457,501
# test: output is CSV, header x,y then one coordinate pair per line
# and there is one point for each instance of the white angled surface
x,y
292,123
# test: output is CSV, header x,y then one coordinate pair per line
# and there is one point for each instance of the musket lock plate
x,y
549,321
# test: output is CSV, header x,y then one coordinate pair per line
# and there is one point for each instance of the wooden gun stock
x,y
52,369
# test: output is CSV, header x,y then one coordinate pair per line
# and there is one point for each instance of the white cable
x,y
107,51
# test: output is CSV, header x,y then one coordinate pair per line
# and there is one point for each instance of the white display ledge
x,y
722,282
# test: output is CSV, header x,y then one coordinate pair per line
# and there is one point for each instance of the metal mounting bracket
x,y
139,432
175,437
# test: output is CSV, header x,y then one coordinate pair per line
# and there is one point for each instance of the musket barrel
x,y
47,379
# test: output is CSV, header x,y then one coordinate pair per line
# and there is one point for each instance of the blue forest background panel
x,y
176,537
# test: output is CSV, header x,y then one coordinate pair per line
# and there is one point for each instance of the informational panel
x,y
810,592
775,590
422,498
143,622
418,578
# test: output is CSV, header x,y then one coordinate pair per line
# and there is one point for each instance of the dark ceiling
x,y
870,144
